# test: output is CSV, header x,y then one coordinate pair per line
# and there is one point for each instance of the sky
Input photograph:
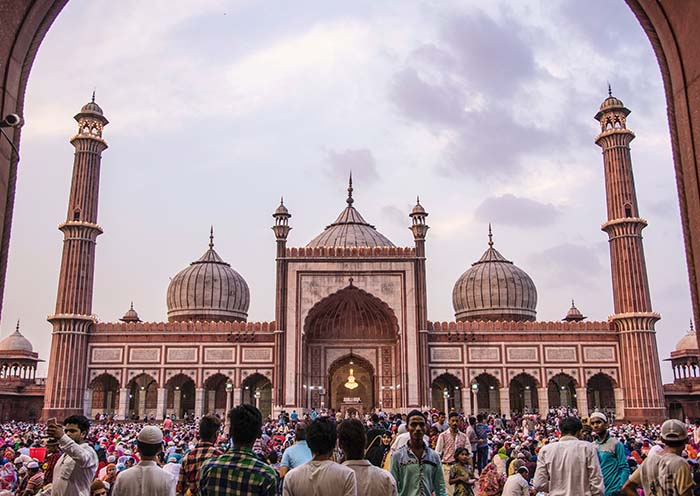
x,y
217,108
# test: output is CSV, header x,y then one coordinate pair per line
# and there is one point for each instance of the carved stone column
x,y
87,403
505,401
543,400
199,402
582,401
161,403
122,413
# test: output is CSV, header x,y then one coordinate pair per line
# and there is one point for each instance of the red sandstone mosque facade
x,y
351,328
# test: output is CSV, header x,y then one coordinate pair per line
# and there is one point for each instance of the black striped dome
x,y
493,288
208,290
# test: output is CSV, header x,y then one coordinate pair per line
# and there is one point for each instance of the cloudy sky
x,y
217,108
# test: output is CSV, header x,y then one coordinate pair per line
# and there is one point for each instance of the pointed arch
x,y
523,393
446,393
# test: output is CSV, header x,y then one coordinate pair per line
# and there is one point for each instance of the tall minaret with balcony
x,y
633,317
281,230
72,320
419,229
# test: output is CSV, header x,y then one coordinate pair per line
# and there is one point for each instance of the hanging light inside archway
x,y
351,384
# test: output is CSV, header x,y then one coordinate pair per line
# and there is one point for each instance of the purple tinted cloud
x,y
511,210
568,262
358,161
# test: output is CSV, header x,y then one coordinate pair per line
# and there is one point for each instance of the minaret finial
x,y
572,302
350,200
490,236
132,306
692,327
17,328
417,200
609,89
281,200
93,95
211,238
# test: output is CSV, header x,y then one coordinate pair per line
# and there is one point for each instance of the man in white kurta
x,y
75,470
146,478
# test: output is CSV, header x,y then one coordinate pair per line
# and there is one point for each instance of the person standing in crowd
x,y
33,481
238,471
441,424
461,475
189,475
415,467
378,448
482,444
75,470
473,438
371,481
146,477
516,484
570,466
447,444
666,471
320,476
297,454
53,453
611,455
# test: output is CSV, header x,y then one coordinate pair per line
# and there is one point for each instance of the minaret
x,y
419,229
281,230
633,318
73,317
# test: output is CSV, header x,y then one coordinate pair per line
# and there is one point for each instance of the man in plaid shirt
x,y
238,471
192,463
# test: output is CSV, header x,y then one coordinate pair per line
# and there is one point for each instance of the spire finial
x,y
490,236
350,200
572,302
132,306
281,200
609,89
17,328
692,327
211,238
93,95
417,200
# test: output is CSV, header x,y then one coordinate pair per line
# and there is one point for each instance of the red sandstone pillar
x,y
633,318
72,320
419,229
281,230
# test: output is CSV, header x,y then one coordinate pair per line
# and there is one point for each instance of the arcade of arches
x,y
524,394
142,397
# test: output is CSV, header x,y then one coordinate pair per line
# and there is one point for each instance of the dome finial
x,y
93,95
17,328
490,236
131,307
609,89
211,238
691,331
350,200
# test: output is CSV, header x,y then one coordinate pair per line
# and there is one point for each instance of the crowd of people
x,y
328,453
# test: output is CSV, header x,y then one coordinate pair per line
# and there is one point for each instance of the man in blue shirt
x,y
482,446
298,454
611,455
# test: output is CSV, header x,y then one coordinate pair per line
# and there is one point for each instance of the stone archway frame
x,y
515,375
170,374
343,361
325,307
97,373
664,22
452,378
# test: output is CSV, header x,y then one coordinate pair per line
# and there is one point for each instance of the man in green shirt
x,y
611,455
417,468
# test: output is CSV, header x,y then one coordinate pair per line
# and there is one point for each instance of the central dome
x,y
493,288
350,229
208,290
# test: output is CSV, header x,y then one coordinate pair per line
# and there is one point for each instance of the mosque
x,y
351,328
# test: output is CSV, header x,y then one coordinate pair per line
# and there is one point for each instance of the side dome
x,y
689,341
16,342
493,288
350,229
208,290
